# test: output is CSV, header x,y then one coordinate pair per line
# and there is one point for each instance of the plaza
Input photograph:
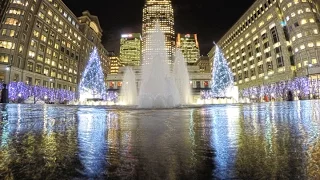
x,y
158,108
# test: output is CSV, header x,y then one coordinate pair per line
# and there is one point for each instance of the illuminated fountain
x,y
128,94
158,87
182,80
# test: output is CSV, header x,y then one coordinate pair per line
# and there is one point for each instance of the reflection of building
x,y
44,43
204,64
274,41
130,49
115,63
161,11
188,43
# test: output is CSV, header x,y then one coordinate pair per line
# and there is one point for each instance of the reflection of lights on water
x,y
91,137
191,127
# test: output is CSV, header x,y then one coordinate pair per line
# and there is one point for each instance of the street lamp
x,y
308,74
309,66
52,82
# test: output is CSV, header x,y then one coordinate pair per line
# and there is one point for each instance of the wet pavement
x,y
255,141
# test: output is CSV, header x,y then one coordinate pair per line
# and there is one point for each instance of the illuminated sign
x,y
126,35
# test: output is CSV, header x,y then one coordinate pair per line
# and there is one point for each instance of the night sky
x,y
209,19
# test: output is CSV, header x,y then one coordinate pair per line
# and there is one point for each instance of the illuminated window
x,y
299,35
314,61
32,54
7,45
299,65
41,15
315,31
43,38
303,21
11,21
310,44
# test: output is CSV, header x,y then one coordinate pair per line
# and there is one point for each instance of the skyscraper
x,y
188,43
130,49
161,11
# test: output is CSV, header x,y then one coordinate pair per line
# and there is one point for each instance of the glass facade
x,y
130,49
188,43
161,11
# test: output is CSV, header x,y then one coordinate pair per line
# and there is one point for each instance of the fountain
x,y
158,87
182,80
128,92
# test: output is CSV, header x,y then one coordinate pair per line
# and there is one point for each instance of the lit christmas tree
x,y
92,85
222,78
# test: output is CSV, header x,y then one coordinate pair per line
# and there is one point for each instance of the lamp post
x,y
52,80
309,66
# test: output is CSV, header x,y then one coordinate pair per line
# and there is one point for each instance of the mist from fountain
x,y
181,76
158,88
128,93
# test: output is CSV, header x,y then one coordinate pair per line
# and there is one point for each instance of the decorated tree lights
x,y
92,85
20,92
222,78
301,88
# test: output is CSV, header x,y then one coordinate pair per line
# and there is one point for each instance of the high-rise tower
x,y
161,11
188,43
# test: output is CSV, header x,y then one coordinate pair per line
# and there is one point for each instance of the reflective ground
x,y
258,141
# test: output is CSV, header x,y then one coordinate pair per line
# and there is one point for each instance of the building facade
x,y
188,43
115,63
43,43
198,81
158,11
130,49
204,64
275,40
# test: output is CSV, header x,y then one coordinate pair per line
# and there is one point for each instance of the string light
x,y
222,78
92,85
19,92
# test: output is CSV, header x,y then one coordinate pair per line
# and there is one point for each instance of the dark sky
x,y
210,19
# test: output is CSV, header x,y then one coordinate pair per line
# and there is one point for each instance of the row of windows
x,y
255,47
39,69
60,9
59,26
249,20
300,11
292,3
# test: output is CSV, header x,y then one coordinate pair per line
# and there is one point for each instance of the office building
x,y
43,43
188,43
130,49
158,11
275,40
115,63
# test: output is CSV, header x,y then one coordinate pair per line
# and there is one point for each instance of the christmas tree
x,y
92,85
222,78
